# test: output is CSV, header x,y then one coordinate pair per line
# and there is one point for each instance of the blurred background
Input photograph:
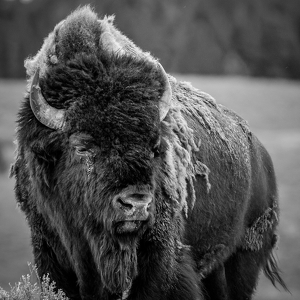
x,y
245,53
245,37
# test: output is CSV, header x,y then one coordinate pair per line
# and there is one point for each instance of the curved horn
x,y
165,101
49,116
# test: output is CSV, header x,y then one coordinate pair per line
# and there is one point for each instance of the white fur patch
x,y
178,163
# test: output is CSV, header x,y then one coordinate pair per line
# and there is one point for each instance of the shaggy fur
x,y
212,182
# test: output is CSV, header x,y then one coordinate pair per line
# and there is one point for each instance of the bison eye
x,y
82,150
155,151
82,144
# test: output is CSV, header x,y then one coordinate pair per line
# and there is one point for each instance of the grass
x,y
272,108
30,287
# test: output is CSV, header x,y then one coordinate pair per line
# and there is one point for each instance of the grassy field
x,y
272,108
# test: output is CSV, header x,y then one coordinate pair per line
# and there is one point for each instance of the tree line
x,y
248,37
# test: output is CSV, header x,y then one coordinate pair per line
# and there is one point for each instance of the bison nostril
x,y
124,205
138,197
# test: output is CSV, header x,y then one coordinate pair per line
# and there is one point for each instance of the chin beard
x,y
116,262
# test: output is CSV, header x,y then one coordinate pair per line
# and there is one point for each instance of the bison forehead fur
x,y
136,185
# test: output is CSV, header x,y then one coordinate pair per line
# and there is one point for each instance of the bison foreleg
x,y
215,284
211,270
212,259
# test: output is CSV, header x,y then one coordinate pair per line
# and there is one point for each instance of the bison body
x,y
135,185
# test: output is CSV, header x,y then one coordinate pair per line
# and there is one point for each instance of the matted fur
x,y
254,236
178,164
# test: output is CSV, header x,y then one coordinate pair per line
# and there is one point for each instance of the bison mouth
x,y
129,227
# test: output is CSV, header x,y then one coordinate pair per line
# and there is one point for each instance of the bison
x,y
135,185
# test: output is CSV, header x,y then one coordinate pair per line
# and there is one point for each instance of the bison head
x,y
100,147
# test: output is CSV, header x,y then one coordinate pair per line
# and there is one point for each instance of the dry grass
x,y
30,287
272,108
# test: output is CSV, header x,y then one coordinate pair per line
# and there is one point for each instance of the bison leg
x,y
211,268
215,284
243,267
162,277
242,271
186,285
256,254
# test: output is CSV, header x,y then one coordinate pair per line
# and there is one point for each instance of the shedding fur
x,y
254,236
178,162
272,272
181,148
203,170
204,108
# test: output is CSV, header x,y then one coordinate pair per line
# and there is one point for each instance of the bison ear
x,y
165,101
110,44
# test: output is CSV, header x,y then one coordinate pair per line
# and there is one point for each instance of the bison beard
x,y
116,262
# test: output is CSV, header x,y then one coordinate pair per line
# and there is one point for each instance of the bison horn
x,y
165,101
49,116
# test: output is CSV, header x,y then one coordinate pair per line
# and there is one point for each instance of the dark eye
x,y
82,150
82,144
155,151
